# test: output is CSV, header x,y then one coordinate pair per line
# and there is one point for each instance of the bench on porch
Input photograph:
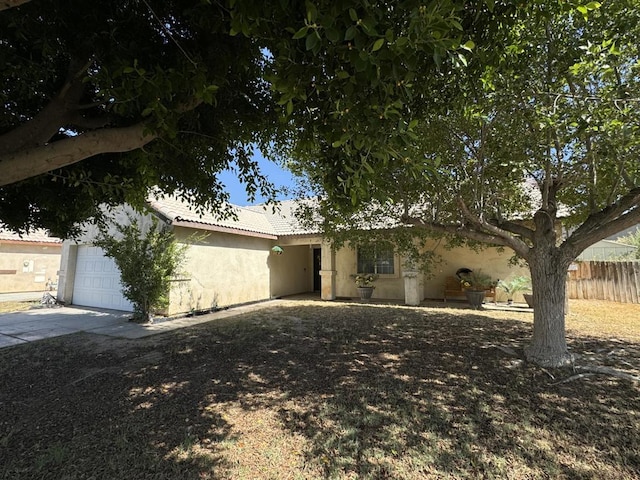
x,y
453,289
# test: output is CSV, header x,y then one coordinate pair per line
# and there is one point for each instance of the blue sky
x,y
274,173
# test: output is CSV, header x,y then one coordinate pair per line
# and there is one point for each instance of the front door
x,y
317,285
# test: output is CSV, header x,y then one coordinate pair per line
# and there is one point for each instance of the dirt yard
x,y
311,390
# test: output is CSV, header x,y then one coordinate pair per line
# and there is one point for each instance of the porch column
x,y
67,272
412,288
327,272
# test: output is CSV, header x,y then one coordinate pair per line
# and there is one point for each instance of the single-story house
x,y
30,262
263,254
608,250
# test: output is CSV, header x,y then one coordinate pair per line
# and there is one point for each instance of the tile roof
x,y
178,211
282,217
278,220
281,220
37,236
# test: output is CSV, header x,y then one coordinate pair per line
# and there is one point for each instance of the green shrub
x,y
148,258
632,239
515,285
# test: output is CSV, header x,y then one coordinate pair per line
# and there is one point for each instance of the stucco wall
x,y
34,266
292,271
221,270
387,286
491,261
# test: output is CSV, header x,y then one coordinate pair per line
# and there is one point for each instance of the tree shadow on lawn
x,y
336,391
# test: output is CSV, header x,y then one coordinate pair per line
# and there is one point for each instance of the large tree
x,y
546,135
104,99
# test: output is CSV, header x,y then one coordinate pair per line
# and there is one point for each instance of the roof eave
x,y
31,242
219,228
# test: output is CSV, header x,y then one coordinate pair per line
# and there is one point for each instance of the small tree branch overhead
x,y
581,239
516,228
611,219
460,230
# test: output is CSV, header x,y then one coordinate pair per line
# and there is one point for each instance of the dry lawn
x,y
604,319
311,390
7,307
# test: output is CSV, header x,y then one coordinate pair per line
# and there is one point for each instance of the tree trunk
x,y
548,347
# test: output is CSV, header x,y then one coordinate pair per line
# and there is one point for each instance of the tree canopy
x,y
546,132
104,99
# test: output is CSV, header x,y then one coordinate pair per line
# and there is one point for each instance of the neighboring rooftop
x,y
37,236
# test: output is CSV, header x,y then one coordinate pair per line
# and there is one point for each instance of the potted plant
x,y
515,285
475,285
365,286
529,299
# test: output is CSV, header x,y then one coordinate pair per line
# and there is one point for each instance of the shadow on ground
x,y
315,391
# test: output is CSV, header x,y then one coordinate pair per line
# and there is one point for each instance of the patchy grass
x,y
598,318
8,307
313,390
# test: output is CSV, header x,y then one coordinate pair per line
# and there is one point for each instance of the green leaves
x,y
377,45
585,9
189,75
148,258
301,33
312,40
552,105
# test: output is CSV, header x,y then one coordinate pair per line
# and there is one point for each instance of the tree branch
x,y
35,161
518,246
466,232
592,231
7,4
611,212
43,126
515,228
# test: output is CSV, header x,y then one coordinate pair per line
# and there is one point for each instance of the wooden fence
x,y
614,281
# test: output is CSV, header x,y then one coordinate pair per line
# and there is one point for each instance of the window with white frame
x,y
379,260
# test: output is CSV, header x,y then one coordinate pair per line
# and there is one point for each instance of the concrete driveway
x,y
40,323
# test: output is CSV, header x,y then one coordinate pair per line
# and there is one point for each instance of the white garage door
x,y
97,281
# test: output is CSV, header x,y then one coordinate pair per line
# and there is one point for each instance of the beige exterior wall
x,y
27,267
220,270
69,248
224,269
292,271
387,286
491,261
